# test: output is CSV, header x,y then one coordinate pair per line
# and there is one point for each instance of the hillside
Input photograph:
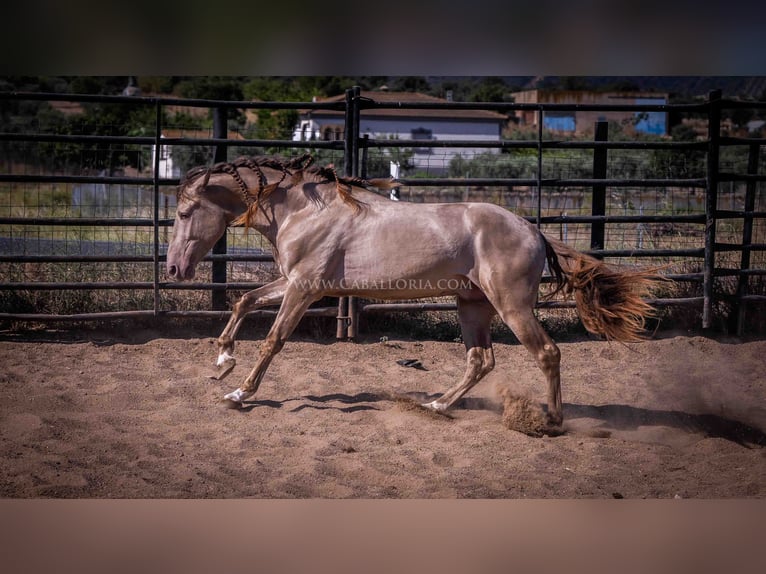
x,y
679,87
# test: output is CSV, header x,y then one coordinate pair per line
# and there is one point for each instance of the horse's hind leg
x,y
269,294
528,330
475,318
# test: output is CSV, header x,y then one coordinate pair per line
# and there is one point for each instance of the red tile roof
x,y
414,97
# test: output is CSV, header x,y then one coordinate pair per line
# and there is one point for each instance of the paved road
x,y
37,246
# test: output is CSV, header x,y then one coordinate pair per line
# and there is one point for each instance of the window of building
x,y
559,121
419,134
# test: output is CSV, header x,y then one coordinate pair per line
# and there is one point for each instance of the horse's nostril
x,y
173,271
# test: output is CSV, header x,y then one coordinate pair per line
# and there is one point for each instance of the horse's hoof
x,y
238,395
230,404
434,406
554,420
223,369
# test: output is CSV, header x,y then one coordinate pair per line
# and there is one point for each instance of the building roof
x,y
552,96
387,97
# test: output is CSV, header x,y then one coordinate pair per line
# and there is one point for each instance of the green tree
x,y
491,89
225,88
410,84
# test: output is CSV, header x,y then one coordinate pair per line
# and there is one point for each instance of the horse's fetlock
x,y
488,364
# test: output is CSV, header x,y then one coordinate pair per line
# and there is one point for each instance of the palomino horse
x,y
333,236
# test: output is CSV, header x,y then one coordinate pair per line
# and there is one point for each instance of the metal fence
x,y
70,230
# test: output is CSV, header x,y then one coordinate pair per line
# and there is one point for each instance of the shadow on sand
x,y
623,417
612,417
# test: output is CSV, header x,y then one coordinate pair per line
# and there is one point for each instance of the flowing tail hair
x,y
609,302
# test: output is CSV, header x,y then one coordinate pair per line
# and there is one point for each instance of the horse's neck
x,y
288,198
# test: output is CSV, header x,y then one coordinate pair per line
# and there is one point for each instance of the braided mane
x,y
296,168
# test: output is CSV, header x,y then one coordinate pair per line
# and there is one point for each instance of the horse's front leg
x,y
269,294
294,305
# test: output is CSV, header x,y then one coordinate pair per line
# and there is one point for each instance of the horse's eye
x,y
183,215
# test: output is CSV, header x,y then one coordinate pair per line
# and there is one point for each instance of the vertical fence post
x,y
341,331
156,213
353,302
219,267
599,190
711,205
365,159
747,235
540,113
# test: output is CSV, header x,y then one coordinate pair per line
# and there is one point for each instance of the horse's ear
x,y
206,179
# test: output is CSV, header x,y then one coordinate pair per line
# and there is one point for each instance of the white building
x,y
408,124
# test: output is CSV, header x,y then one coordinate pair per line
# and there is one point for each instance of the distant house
x,y
755,126
408,124
577,122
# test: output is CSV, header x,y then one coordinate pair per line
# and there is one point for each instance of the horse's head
x,y
210,198
204,210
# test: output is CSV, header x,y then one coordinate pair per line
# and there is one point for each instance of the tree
x,y
491,89
227,88
410,84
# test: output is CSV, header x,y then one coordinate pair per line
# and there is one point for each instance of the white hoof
x,y
238,395
435,406
222,358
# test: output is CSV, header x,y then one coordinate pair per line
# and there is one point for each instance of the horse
x,y
341,236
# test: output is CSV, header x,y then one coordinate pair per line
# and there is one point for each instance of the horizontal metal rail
x,y
85,221
550,182
529,144
125,285
112,315
76,258
366,104
558,304
684,218
169,101
180,141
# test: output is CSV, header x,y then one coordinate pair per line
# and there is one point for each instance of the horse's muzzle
x,y
178,274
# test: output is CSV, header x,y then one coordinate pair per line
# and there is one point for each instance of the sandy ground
x,y
110,415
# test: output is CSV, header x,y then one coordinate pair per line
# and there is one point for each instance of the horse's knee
x,y
549,356
272,346
242,305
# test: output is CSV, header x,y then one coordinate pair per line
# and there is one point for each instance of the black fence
x,y
67,229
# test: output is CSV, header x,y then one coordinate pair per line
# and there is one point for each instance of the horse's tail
x,y
609,302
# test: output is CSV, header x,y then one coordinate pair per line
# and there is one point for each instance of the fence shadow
x,y
612,417
357,402
627,418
